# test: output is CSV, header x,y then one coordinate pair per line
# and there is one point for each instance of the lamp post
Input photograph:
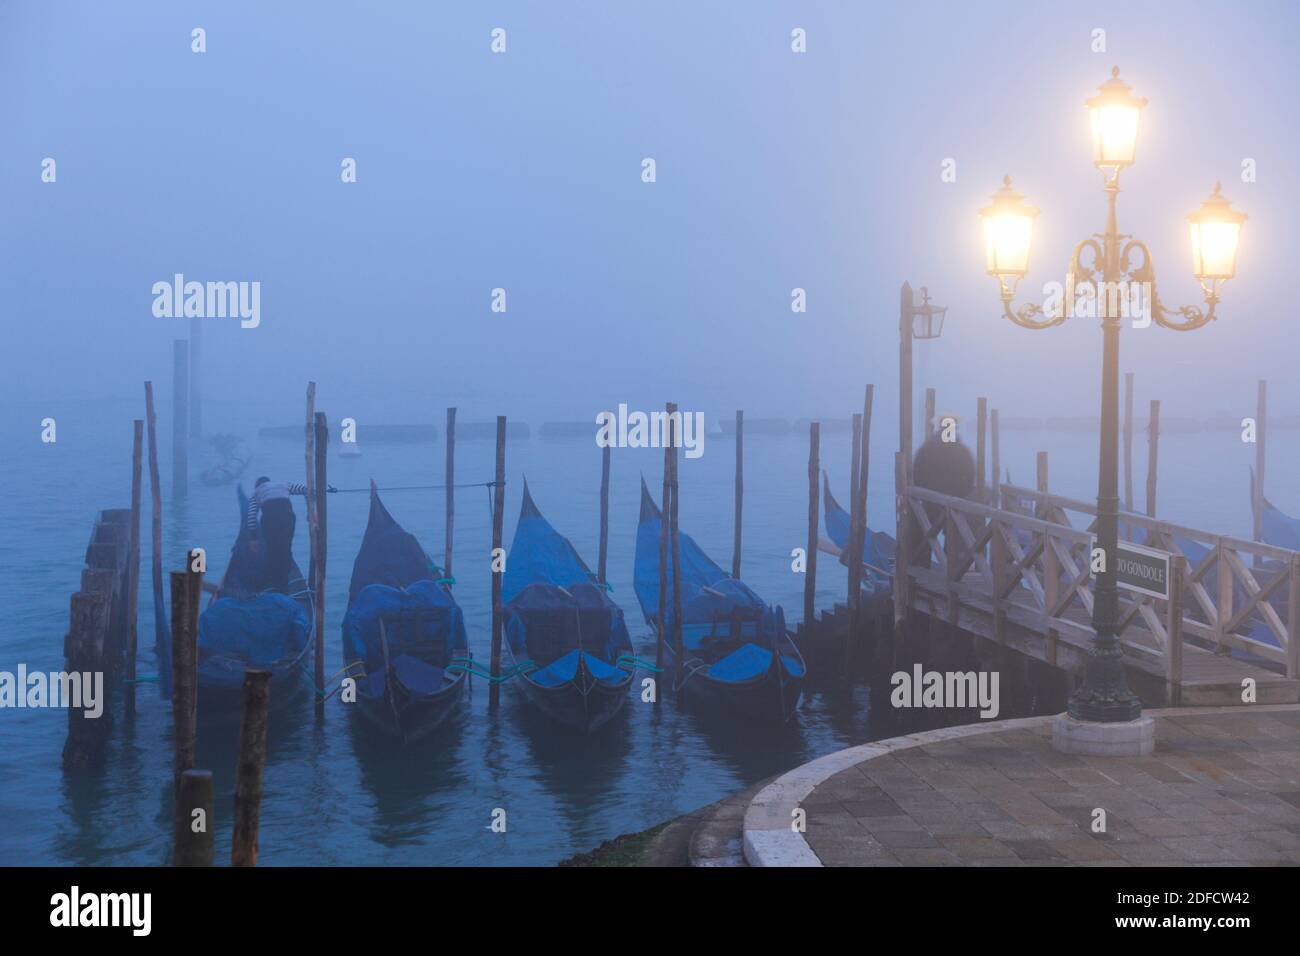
x,y
924,321
1114,263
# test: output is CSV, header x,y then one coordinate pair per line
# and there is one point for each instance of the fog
x,y
523,171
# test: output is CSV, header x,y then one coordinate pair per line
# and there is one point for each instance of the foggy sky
x,y
522,171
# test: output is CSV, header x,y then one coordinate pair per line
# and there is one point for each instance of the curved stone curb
x,y
770,840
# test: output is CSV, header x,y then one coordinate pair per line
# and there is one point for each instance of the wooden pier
x,y
1020,578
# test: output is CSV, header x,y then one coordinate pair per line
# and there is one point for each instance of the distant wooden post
x,y
133,565
902,552
187,592
905,307
981,460
665,496
858,538
310,434
1261,430
1153,456
852,556
498,522
451,489
673,425
814,490
740,489
180,419
1128,441
194,837
250,767
930,402
603,561
161,635
997,459
321,447
1041,474
196,401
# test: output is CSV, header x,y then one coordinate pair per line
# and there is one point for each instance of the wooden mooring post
x,y
450,480
314,526
186,592
603,560
1153,456
196,399
902,551
740,490
996,456
675,543
981,438
498,522
180,419
814,489
858,539
83,648
195,807
930,401
852,554
321,449
665,495
133,566
1261,432
250,767
161,634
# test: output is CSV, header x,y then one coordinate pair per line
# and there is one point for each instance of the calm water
x,y
337,795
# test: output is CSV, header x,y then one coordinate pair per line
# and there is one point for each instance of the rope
x,y
472,484
460,664
638,662
147,679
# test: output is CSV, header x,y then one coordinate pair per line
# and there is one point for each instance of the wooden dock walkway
x,y
1018,575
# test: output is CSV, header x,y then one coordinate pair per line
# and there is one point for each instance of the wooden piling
x,y
996,455
250,767
902,553
1128,441
814,496
194,837
665,496
196,401
603,560
1041,483
133,565
981,460
186,592
905,406
322,444
1153,456
83,648
853,596
858,538
675,542
1261,430
180,419
451,490
740,490
498,521
161,636
930,402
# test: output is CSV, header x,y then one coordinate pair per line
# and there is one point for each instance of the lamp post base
x,y
1104,695
1129,738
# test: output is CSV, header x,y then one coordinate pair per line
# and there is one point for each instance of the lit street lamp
x,y
1112,262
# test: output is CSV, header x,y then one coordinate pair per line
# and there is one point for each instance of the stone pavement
x,y
1222,788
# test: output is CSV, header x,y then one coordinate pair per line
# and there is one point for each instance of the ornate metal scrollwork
x,y
1145,272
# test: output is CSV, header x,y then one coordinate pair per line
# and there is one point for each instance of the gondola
x,y
246,626
564,635
878,548
404,639
728,632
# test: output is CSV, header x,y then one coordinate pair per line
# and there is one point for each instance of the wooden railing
x,y
1027,563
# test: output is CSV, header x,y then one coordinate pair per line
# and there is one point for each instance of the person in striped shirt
x,y
271,504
